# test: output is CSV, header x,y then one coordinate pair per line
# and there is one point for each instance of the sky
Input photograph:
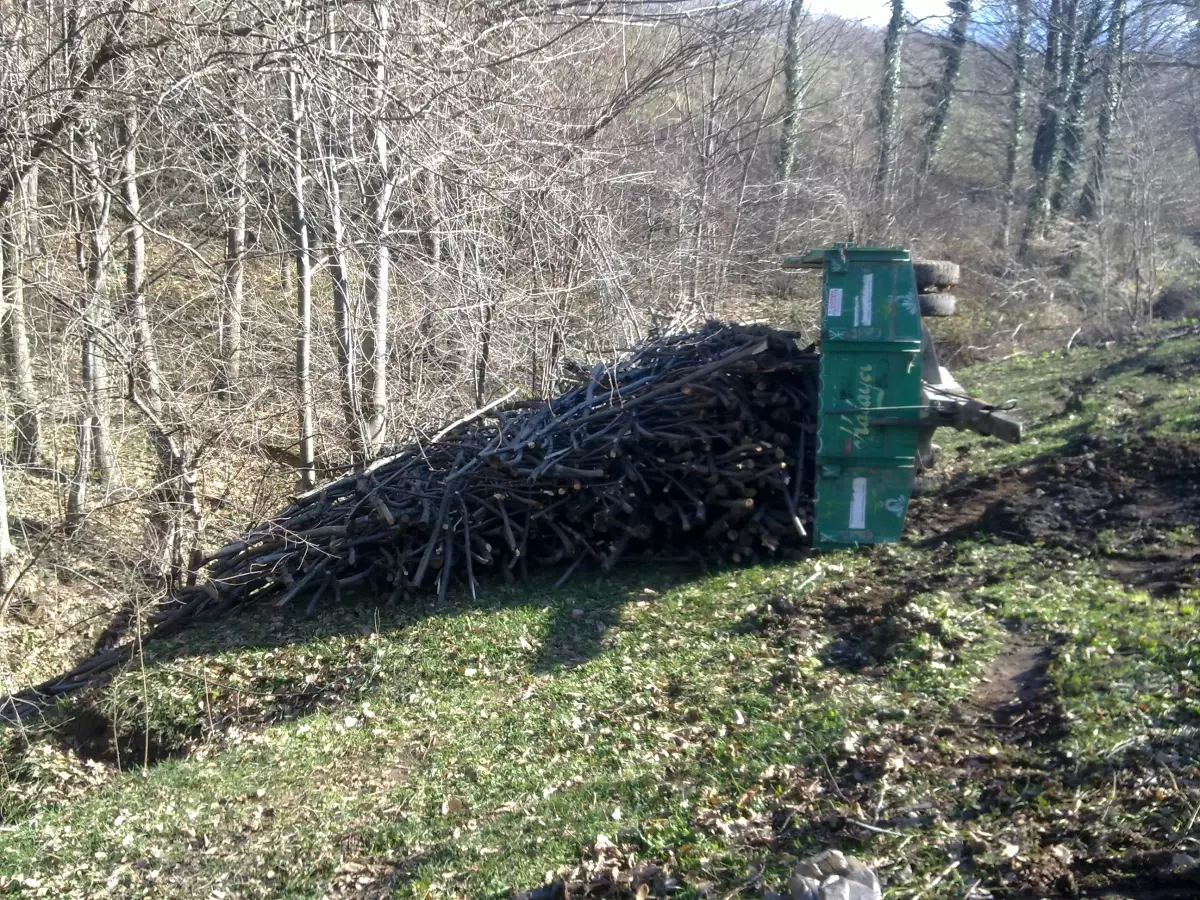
x,y
877,12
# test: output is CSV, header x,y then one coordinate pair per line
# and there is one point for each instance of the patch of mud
x,y
1152,875
1139,493
1014,703
1013,681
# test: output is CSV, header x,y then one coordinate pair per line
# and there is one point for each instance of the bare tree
x,y
145,373
234,281
7,549
95,314
1058,70
14,248
337,261
77,494
14,233
175,481
1045,139
1114,72
943,92
377,279
793,91
1016,122
1072,129
300,225
893,46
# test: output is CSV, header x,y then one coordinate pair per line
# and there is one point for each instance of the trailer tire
x,y
937,305
936,274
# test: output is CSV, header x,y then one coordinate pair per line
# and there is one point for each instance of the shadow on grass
x,y
298,664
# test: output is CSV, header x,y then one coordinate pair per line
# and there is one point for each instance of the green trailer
x,y
883,391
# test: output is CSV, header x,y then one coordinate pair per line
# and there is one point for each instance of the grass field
x,y
1006,704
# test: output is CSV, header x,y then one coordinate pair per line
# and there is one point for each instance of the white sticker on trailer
x,y
866,301
858,504
835,303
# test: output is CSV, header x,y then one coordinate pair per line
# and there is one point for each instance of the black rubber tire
x,y
938,306
936,273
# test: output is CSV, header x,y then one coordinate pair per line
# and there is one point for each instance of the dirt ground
x,y
1140,491
1122,506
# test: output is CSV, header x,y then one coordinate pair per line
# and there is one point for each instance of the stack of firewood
x,y
691,445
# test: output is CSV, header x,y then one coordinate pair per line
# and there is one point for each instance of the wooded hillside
x,y
246,245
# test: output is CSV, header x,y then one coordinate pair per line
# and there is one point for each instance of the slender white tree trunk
x,y
8,550
148,379
77,505
339,268
300,225
378,274
174,493
15,237
235,252
96,312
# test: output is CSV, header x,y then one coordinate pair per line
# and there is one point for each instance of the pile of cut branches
x,y
697,444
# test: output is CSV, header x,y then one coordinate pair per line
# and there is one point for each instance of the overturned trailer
x,y
883,391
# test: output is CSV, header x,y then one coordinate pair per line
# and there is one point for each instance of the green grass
x,y
718,723
1148,388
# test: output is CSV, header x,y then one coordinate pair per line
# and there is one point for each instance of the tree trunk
x,y
1114,69
793,88
229,379
888,98
72,50
339,275
7,549
1059,25
343,322
85,429
483,360
943,93
304,387
544,387
1193,85
96,308
377,281
174,493
1195,115
700,285
15,238
146,374
1080,78
1016,124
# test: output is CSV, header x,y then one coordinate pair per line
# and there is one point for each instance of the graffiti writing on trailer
x,y
867,395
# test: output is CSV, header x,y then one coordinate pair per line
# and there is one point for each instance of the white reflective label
x,y
835,303
866,301
858,504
